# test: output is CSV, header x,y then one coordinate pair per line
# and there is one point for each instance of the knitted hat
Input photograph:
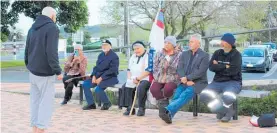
x,y
171,39
229,38
138,42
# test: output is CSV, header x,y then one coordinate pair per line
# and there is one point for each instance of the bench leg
x,y
235,107
195,105
81,94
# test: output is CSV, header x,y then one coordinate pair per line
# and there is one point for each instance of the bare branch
x,y
137,24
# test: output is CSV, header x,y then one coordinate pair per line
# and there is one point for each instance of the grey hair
x,y
48,11
78,46
197,37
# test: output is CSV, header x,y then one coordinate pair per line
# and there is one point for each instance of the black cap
x,y
140,42
107,41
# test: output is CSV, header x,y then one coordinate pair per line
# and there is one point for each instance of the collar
x,y
196,51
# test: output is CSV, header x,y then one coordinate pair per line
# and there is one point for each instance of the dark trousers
x,y
126,95
69,86
161,90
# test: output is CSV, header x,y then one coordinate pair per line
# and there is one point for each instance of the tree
x,y
181,17
87,37
69,41
71,14
4,37
7,19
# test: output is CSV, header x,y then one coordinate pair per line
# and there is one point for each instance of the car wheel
x,y
264,70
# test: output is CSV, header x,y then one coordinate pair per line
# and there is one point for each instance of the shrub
x,y
70,49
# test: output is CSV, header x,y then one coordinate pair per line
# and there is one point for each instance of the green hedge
x,y
70,49
246,106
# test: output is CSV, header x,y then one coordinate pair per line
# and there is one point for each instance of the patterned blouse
x,y
165,67
77,67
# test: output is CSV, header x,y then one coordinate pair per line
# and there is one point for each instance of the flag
x,y
156,38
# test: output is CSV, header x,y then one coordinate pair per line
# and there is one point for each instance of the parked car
x,y
256,59
273,49
268,47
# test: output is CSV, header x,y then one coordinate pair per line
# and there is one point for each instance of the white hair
x,y
49,11
197,37
78,46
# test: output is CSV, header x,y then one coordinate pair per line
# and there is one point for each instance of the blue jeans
x,y
99,92
182,96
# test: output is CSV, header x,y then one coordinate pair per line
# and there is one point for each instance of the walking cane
x,y
134,101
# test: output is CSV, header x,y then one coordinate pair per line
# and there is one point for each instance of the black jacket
x,y
106,68
222,74
41,52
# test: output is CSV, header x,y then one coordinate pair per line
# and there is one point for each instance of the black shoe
x,y
165,116
219,116
162,104
89,107
127,112
106,106
230,113
64,102
141,112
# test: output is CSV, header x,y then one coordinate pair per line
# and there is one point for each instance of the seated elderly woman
x,y
138,77
165,73
75,66
104,75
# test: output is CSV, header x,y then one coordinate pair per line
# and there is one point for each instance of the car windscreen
x,y
253,53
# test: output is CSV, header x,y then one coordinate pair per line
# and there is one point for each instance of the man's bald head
x,y
49,12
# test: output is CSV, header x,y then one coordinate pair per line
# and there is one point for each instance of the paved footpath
x,y
71,119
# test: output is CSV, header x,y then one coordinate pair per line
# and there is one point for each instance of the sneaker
x,y
106,106
127,112
64,102
141,112
230,113
89,107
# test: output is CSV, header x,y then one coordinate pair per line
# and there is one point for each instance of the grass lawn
x,y
6,64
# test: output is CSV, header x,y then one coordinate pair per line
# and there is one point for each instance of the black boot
x,y
162,104
106,106
89,107
230,113
165,116
141,112
127,112
64,102
219,116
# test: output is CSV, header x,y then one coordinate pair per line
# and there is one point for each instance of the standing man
x,y
192,70
41,59
226,63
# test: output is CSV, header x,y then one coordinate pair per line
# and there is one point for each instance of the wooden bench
x,y
243,93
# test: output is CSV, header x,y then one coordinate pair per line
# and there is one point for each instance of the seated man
x,y
226,63
192,70
104,75
74,66
165,73
138,77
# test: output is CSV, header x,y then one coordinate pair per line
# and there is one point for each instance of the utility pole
x,y
126,27
268,20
